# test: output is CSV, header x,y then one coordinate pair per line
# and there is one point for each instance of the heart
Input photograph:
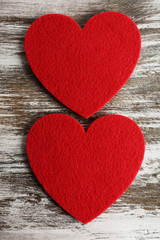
x,y
85,172
85,68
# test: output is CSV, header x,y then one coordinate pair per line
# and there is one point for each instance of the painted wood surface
x,y
26,210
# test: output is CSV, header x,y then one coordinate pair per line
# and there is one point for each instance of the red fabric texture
x,y
85,172
85,68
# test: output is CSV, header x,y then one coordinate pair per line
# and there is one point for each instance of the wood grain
x,y
26,210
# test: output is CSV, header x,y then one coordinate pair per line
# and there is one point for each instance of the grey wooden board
x,y
26,210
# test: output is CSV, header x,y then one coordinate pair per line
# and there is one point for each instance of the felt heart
x,y
85,68
85,172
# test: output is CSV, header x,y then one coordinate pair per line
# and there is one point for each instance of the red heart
x,y
85,172
85,68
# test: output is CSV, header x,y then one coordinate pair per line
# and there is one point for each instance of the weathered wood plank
x,y
26,211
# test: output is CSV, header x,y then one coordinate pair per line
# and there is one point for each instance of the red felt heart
x,y
85,68
85,172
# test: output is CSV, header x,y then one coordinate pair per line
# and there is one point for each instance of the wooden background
x,y
26,210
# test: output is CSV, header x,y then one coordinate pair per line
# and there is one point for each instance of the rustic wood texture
x,y
26,210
